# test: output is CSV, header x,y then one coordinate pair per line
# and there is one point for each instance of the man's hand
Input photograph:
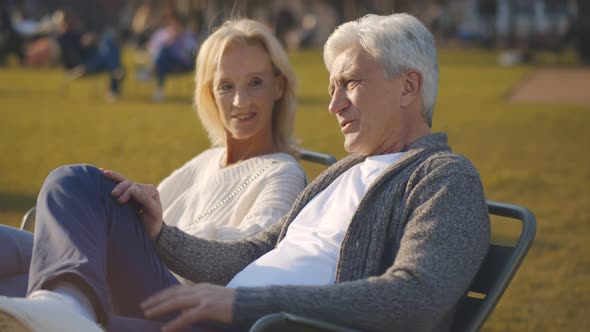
x,y
145,195
194,304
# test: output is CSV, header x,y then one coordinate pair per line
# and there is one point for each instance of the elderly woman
x,y
96,251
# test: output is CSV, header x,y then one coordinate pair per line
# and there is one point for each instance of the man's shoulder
x,y
446,163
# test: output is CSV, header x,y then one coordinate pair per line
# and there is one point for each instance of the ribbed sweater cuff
x,y
250,304
166,239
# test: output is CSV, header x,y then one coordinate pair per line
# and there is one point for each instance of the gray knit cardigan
x,y
412,248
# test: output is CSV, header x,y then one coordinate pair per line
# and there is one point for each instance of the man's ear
x,y
411,87
279,87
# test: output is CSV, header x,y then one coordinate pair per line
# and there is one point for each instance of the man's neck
x,y
402,145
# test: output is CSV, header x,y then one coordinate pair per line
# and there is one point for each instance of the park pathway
x,y
555,86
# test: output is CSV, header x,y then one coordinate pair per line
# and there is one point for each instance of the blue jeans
x,y
107,57
16,248
167,62
83,235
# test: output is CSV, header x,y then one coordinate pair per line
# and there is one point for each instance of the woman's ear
x,y
279,87
411,87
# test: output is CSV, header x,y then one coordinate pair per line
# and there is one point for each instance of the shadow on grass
x,y
10,202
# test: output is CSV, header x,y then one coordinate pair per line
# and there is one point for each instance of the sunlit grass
x,y
529,154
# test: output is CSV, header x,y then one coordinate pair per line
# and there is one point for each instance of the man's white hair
x,y
399,42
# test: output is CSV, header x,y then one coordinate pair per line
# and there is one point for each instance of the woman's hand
x,y
193,303
145,195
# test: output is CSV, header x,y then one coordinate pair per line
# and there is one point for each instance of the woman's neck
x,y
240,150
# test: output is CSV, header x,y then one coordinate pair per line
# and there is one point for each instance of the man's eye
x,y
350,84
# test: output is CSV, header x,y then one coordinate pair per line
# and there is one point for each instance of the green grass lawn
x,y
529,154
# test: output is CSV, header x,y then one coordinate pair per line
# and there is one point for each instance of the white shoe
x,y
111,97
48,313
158,95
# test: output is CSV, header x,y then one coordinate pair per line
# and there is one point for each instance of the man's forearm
x,y
375,304
201,260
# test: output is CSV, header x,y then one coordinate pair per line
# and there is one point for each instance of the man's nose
x,y
339,102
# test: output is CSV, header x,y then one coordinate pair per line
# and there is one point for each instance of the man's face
x,y
368,107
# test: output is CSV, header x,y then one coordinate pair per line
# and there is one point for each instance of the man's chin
x,y
353,148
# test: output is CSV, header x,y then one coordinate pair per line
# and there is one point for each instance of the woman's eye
x,y
255,82
225,87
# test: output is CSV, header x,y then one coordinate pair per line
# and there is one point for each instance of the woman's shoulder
x,y
287,168
196,165
271,166
282,160
206,161
215,150
282,157
207,156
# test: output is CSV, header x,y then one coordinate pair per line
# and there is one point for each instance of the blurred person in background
x,y
285,22
142,25
529,26
36,38
95,240
582,30
42,52
176,53
86,52
170,49
10,41
487,10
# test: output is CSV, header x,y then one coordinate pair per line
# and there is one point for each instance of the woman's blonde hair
x,y
253,33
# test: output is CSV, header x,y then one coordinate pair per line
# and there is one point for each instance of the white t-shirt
x,y
308,254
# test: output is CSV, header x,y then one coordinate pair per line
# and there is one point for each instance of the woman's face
x,y
245,88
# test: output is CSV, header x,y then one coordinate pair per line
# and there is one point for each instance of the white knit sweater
x,y
192,195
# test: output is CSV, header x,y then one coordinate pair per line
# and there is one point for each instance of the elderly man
x,y
387,239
